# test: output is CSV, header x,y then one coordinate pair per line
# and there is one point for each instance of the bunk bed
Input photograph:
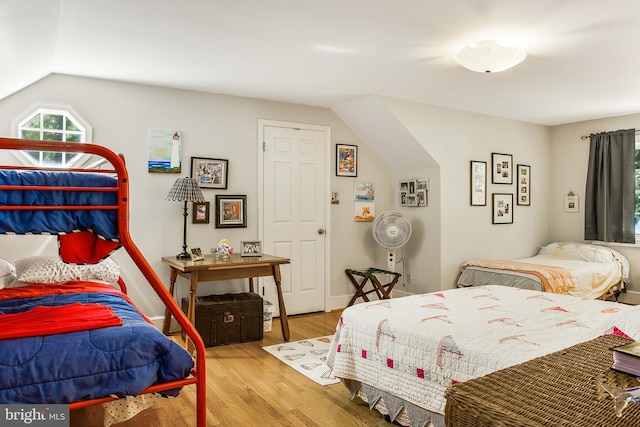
x,y
401,355
75,314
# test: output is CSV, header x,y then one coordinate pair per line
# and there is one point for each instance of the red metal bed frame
x,y
198,374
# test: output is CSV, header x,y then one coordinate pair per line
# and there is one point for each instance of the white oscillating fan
x,y
392,230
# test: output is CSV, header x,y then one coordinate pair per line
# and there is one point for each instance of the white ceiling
x,y
583,58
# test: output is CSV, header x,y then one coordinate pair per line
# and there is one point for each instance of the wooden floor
x,y
249,387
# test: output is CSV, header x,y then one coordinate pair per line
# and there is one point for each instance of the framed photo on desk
x,y
251,248
196,254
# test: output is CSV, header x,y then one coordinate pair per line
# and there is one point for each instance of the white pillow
x,y
7,273
51,269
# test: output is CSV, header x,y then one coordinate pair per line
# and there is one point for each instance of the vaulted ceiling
x,y
582,54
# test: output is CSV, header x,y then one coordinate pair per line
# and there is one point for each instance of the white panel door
x,y
294,176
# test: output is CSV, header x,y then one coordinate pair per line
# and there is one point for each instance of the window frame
x,y
86,132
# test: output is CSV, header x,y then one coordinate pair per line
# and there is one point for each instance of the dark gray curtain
x,y
609,201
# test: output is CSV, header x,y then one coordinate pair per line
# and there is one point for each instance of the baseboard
x,y
630,297
158,321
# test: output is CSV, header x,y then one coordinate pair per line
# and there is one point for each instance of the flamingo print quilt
x,y
415,347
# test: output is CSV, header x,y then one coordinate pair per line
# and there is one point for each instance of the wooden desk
x,y
237,267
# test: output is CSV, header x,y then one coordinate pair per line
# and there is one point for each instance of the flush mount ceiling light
x,y
489,57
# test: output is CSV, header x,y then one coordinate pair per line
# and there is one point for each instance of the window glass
x,y
53,124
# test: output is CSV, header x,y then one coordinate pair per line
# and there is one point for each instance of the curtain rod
x,y
587,136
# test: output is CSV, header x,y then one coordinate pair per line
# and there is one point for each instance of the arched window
x,y
53,124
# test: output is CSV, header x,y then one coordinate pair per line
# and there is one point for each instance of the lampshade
x,y
489,57
185,190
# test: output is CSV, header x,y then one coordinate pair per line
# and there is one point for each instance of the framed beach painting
x,y
165,151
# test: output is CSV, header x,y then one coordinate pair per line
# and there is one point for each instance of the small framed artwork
x,y
231,211
502,168
408,186
196,254
210,173
364,211
251,248
364,190
502,208
421,197
200,213
408,199
571,203
478,183
422,184
408,193
524,185
346,160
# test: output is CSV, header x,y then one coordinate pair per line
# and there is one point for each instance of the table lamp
x,y
185,190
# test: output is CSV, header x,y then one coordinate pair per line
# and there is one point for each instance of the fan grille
x,y
391,229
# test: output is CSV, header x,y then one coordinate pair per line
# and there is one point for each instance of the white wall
x,y
421,267
213,126
453,138
569,157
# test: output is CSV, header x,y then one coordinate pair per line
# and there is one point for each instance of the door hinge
x,y
264,146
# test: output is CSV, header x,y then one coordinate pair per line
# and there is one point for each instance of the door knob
x,y
320,230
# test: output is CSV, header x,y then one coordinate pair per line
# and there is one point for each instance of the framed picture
x,y
210,173
200,213
196,254
502,168
408,193
346,160
571,203
524,185
231,211
421,197
478,183
422,184
502,208
165,151
364,190
364,211
408,199
251,248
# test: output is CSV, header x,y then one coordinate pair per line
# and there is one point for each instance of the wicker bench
x,y
560,389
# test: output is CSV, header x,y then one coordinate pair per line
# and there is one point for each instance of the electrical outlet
x,y
409,278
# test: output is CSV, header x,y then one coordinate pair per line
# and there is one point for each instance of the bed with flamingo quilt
x,y
402,354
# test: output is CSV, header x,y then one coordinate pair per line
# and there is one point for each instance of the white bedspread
x,y
578,269
417,346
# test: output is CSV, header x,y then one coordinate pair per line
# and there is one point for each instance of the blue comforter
x,y
101,222
82,365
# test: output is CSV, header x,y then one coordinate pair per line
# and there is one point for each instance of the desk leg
x,y
284,322
191,311
167,315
